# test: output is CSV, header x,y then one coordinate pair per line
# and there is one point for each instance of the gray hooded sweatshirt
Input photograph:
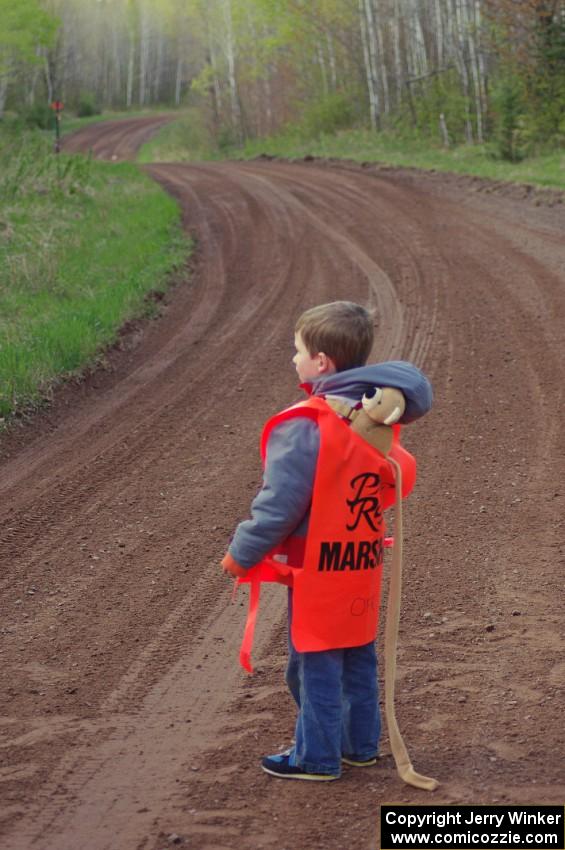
x,y
282,506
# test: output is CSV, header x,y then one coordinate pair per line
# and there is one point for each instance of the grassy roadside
x,y
186,140
363,145
82,243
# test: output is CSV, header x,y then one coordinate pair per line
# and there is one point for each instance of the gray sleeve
x,y
284,499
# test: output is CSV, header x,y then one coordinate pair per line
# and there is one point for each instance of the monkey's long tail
x,y
399,751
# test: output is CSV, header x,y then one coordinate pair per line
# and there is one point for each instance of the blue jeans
x,y
336,692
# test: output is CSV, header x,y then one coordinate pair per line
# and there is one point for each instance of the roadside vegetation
x,y
177,142
544,169
186,139
470,86
82,244
447,73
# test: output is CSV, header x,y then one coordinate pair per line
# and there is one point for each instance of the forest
x,y
451,70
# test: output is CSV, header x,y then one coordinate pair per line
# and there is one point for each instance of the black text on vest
x,y
366,501
354,555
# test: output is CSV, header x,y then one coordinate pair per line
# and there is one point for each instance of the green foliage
x,y
226,139
201,84
40,115
296,61
30,168
393,149
508,105
24,26
82,245
86,106
326,116
183,140
424,102
546,82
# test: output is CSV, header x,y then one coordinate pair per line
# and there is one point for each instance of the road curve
x,y
125,720
115,140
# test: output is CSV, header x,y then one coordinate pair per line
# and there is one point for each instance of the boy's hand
x,y
231,567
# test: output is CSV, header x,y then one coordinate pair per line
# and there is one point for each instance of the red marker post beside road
x,y
57,107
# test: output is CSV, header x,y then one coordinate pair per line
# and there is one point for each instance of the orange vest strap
x,y
249,633
268,570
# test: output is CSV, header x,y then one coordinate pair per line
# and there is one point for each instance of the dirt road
x,y
125,719
115,140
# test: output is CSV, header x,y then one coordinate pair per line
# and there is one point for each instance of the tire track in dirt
x,y
117,629
115,140
397,279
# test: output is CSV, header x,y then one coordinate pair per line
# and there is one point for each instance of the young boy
x,y
334,686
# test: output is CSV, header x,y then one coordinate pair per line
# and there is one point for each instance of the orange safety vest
x,y
336,572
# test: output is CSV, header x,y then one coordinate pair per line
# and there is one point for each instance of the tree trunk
x,y
443,129
215,89
107,76
143,56
439,34
230,55
178,81
117,75
33,81
468,23
131,68
268,102
398,68
322,64
481,59
331,56
48,79
476,84
462,64
420,62
158,69
383,75
411,106
369,48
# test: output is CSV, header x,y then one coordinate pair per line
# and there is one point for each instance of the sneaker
x,y
279,765
353,762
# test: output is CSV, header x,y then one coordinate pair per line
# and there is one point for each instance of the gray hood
x,y
353,383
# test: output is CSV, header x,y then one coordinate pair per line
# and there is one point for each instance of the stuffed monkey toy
x,y
382,407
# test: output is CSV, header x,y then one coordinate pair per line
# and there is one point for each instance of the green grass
x,y
184,140
82,243
187,140
366,146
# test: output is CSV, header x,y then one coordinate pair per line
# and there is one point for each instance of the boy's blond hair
x,y
342,330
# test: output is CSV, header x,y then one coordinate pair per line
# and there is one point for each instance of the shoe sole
x,y
312,777
352,763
